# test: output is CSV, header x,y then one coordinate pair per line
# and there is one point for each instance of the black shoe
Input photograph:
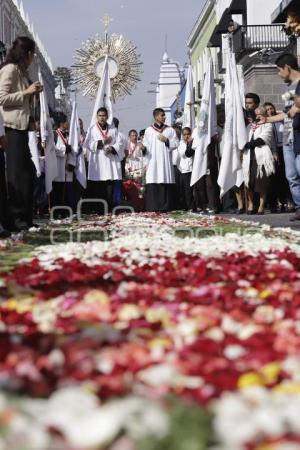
x,y
260,213
4,234
19,226
250,212
296,217
232,211
240,211
33,225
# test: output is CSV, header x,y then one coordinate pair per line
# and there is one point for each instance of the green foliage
x,y
191,429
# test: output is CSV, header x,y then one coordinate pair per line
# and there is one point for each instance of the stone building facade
x,y
257,41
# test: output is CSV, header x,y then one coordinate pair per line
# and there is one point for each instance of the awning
x,y
279,15
216,39
236,7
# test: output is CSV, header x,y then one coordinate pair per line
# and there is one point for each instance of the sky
x,y
64,24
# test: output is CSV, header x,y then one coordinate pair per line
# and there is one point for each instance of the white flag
x,y
189,111
104,98
235,133
33,147
207,127
241,78
47,138
74,141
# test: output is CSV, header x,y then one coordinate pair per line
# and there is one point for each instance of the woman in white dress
x,y
258,161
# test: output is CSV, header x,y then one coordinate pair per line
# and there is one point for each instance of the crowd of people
x,y
150,170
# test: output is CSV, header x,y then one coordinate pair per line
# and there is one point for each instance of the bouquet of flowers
x,y
289,96
138,176
292,26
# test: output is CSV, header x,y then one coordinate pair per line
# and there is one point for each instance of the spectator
x,y
279,191
258,162
288,70
16,92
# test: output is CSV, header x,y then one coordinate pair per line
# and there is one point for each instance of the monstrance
x,y
125,66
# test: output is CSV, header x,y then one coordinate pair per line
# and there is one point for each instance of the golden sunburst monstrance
x,y
125,66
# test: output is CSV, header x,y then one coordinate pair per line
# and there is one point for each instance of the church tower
x,y
169,85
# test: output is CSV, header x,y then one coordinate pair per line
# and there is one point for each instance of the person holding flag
x,y
102,142
47,141
204,158
105,158
76,139
235,133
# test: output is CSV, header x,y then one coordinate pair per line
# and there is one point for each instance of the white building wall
x,y
259,12
169,86
221,5
13,23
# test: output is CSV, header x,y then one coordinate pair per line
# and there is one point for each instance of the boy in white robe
x,y
159,143
106,154
175,160
63,193
185,167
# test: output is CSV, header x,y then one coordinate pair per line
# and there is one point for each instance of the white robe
x,y
175,157
123,142
102,167
80,170
63,159
263,155
159,156
35,154
185,164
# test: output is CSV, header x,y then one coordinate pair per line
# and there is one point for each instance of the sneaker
x,y
19,226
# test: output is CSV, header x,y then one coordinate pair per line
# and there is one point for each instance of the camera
x,y
287,108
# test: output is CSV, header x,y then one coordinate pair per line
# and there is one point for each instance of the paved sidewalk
x,y
274,220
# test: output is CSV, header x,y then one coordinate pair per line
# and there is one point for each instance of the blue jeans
x,y
292,172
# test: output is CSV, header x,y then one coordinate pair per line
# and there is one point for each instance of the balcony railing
x,y
254,38
251,38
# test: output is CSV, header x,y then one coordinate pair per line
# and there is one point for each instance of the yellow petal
x,y
250,379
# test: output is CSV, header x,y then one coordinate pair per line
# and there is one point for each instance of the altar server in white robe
x,y
185,167
105,158
159,143
63,193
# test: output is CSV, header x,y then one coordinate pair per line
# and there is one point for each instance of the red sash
x,y
104,133
159,130
59,133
